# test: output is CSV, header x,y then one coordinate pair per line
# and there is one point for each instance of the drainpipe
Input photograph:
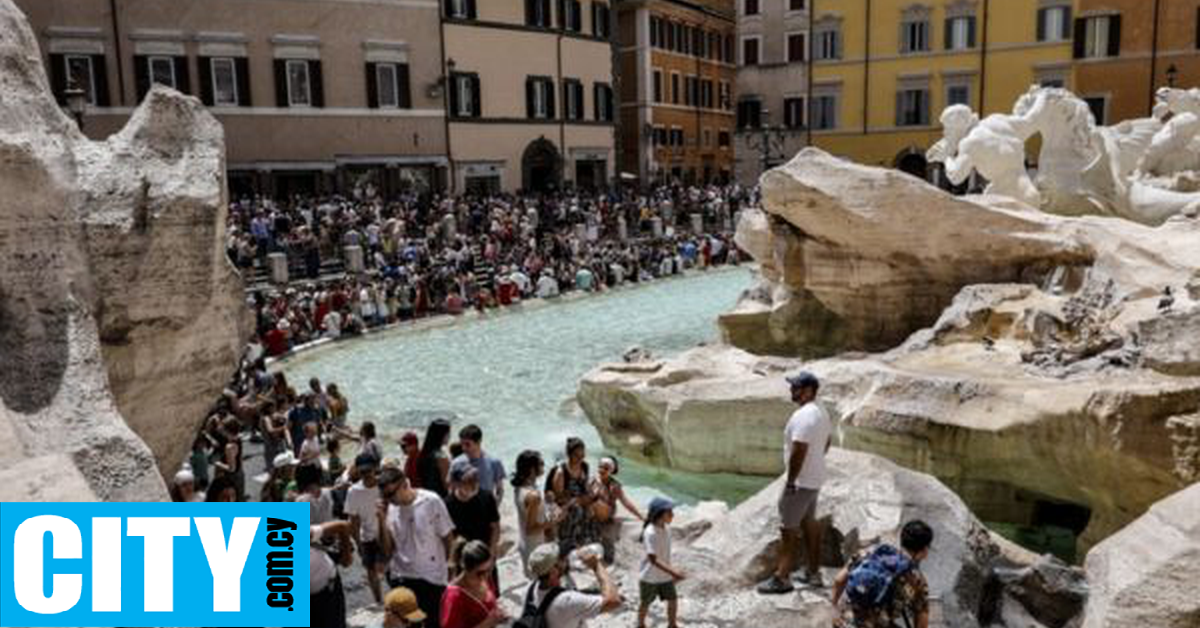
x,y
562,115
867,71
446,87
116,28
983,44
1153,59
808,130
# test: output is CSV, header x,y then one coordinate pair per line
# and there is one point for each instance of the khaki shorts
x,y
796,506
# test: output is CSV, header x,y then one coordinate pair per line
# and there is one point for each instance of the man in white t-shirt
x,y
567,608
416,536
362,506
806,441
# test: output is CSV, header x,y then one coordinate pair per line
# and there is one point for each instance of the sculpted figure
x,y
994,147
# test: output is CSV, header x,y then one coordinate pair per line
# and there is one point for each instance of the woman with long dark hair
x,y
571,483
434,465
533,526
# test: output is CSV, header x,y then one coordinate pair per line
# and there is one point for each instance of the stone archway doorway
x,y
912,161
541,166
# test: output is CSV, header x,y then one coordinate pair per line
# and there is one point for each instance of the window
x,y
388,86
81,72
824,111
299,88
660,136
726,96
914,36
960,33
464,95
1099,108
793,112
1098,36
685,39
749,114
224,82
1054,23
707,96
795,5
570,15
797,45
171,71
728,49
675,94
958,94
537,13
669,31
750,51
749,7
601,21
912,107
829,45
655,25
691,91
162,71
602,96
460,9
572,99
1198,28
707,138
539,97
723,139
677,138
658,85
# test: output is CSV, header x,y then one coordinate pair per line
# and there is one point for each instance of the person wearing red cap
x,y
412,453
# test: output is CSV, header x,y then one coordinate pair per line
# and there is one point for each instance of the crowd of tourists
x,y
423,255
425,523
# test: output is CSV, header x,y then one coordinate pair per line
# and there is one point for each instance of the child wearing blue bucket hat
x,y
658,577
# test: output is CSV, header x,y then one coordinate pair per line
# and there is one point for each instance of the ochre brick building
x,y
677,65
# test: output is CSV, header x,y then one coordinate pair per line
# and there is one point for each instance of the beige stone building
x,y
314,95
530,93
772,84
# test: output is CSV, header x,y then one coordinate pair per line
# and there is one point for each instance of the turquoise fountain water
x,y
514,373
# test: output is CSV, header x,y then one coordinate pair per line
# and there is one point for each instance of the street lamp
x,y
770,142
1172,74
76,101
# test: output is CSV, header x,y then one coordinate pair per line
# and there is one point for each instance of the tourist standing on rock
x,y
558,606
534,526
609,492
416,537
491,471
570,483
434,464
884,586
471,600
362,502
658,576
807,439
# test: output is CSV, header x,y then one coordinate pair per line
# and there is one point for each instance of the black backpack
x,y
535,616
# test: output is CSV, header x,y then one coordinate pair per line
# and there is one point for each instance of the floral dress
x,y
578,528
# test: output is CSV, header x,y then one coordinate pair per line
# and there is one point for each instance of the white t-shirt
x,y
418,532
656,541
571,609
360,501
321,568
809,424
320,508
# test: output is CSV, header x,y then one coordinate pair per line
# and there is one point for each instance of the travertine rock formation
x,y
118,308
1021,357
1146,574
